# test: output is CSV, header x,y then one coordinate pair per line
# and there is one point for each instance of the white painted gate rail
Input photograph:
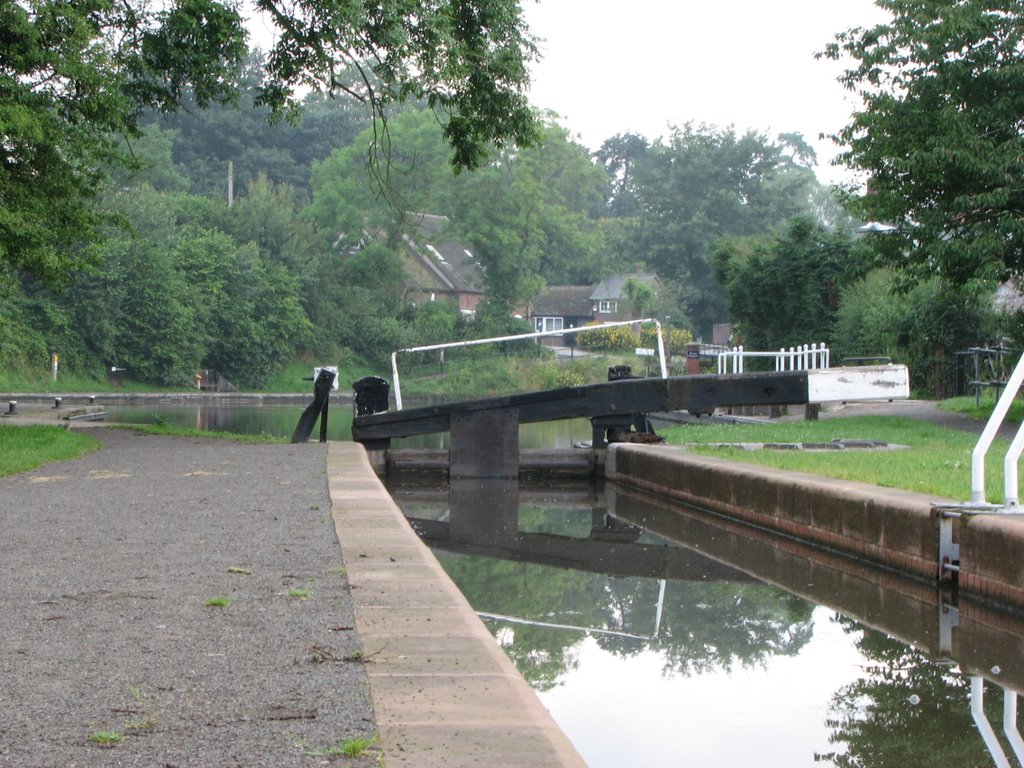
x,y
517,337
806,357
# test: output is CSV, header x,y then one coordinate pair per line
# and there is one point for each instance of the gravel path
x,y
106,566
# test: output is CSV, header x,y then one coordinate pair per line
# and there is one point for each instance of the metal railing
x,y
806,357
949,551
517,337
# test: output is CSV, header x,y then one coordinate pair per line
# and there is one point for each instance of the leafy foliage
x,y
76,77
922,328
698,185
466,60
784,290
940,135
73,78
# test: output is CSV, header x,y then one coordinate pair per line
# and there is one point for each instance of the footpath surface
x,y
106,566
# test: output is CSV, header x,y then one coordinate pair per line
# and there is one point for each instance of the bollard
x,y
370,395
619,372
57,401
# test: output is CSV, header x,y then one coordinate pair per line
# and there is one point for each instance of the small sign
x,y
644,352
693,354
333,369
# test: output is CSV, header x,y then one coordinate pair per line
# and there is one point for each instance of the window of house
x,y
545,324
607,306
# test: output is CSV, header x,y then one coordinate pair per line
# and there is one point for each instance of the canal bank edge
x,y
890,527
443,692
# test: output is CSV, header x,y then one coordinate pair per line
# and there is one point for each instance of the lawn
x,y
936,460
28,447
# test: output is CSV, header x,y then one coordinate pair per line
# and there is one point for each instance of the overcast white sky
x,y
612,66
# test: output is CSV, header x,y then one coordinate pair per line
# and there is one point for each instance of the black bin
x,y
617,372
370,395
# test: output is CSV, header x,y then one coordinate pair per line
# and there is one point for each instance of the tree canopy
x,y
940,135
700,184
75,79
783,291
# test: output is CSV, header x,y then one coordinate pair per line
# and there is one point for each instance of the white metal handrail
x,y
518,337
805,357
1010,497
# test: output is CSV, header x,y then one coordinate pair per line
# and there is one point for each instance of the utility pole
x,y
231,183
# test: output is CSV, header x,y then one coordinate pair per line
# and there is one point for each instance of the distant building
x,y
439,267
560,307
436,267
610,299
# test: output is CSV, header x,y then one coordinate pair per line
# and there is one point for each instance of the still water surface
x,y
280,420
648,652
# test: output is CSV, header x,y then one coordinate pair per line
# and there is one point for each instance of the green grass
x,y
218,602
14,381
937,461
26,447
982,409
163,428
105,738
301,593
292,377
353,747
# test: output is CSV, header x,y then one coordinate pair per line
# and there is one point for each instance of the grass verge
x,y
28,447
936,462
164,428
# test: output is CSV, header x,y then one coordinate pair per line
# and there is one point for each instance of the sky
x,y
642,66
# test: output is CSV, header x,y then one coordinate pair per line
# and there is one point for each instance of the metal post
x,y
984,726
989,433
1010,724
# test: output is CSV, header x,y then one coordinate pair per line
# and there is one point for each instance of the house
x,y
560,307
611,301
438,267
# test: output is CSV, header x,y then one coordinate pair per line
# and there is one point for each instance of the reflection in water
x,y
648,652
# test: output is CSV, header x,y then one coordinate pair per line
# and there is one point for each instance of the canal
x,y
659,635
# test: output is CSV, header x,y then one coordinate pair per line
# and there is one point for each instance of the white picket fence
x,y
806,357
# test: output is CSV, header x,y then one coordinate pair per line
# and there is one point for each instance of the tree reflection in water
x,y
906,710
704,625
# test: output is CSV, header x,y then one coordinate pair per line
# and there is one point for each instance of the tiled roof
x,y
614,287
564,301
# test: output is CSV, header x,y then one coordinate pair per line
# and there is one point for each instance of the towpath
x,y
107,564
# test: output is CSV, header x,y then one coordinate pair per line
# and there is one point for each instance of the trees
x,y
465,59
526,215
940,135
700,184
784,290
75,78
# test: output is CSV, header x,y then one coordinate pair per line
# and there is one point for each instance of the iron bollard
x,y
619,372
370,395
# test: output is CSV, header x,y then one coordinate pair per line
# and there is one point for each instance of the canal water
x,y
661,635
647,651
280,419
